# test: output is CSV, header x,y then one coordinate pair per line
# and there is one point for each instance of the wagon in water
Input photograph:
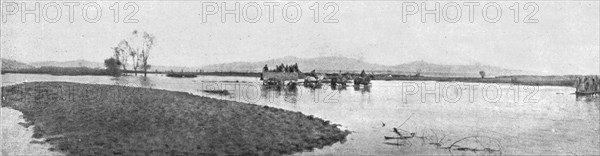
x,y
280,75
279,78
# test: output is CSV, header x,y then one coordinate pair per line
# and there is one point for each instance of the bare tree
x,y
140,46
135,61
122,53
148,41
134,50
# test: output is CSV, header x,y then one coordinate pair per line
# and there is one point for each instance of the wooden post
x,y
578,84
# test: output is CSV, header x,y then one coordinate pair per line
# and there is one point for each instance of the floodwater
x,y
497,119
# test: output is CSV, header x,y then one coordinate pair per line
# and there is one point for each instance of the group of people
x,y
588,84
283,68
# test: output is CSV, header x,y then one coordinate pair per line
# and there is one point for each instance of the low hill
x,y
8,64
91,64
74,63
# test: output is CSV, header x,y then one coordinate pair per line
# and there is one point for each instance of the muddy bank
x,y
86,119
16,138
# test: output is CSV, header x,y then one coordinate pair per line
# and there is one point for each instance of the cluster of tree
x,y
482,74
283,68
113,66
135,48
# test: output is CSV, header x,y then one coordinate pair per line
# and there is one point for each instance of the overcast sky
x,y
565,40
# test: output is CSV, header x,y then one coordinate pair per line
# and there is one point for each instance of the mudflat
x,y
91,119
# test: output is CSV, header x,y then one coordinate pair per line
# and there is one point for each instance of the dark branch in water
x,y
435,140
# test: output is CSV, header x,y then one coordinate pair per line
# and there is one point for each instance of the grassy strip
x,y
72,71
242,74
181,74
568,81
90,119
218,92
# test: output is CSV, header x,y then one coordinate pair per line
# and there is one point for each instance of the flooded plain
x,y
444,117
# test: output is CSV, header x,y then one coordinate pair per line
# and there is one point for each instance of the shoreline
x,y
16,138
96,119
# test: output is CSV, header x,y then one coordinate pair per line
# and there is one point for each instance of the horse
x,y
313,79
341,79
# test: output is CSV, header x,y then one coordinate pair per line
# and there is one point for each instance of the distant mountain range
x,y
320,64
335,63
8,64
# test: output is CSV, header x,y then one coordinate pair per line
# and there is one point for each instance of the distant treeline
x,y
101,71
65,71
181,74
519,80
246,74
60,71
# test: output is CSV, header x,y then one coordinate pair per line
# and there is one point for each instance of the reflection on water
x,y
548,120
588,97
120,81
363,89
290,93
146,82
